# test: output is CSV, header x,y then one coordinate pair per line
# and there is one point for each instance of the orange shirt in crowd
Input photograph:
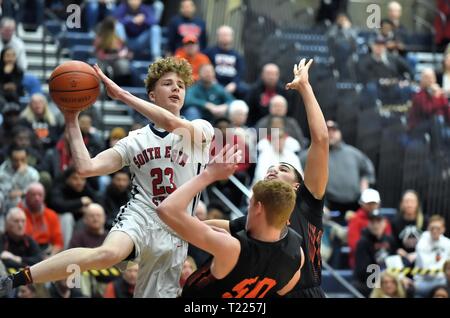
x,y
196,61
44,227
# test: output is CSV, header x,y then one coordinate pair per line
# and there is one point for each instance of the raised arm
x,y
104,163
316,168
173,212
158,115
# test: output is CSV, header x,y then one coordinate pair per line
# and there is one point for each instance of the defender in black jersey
x,y
259,261
307,216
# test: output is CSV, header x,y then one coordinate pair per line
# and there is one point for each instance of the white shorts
x,y
159,252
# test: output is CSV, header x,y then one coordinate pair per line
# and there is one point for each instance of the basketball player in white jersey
x,y
161,156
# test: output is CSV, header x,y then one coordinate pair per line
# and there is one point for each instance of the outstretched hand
x,y
301,76
112,88
224,164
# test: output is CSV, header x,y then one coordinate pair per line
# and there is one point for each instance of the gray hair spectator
x,y
93,233
9,38
278,107
17,249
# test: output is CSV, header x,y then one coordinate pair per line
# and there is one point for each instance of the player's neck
x,y
265,233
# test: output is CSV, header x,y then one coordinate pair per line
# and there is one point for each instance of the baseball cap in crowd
x,y
10,108
369,196
375,215
190,39
332,124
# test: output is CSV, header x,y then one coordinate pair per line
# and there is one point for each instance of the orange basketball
x,y
74,85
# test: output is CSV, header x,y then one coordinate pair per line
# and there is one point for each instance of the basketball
x,y
74,85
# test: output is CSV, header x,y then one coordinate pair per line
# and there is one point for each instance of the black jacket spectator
x,y
26,248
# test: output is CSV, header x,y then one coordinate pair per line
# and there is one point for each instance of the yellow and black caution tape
x,y
108,272
415,271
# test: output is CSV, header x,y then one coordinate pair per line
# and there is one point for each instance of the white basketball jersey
x,y
160,161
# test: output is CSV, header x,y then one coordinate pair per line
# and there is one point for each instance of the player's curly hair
x,y
278,199
169,64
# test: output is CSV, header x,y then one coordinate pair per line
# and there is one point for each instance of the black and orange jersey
x,y
262,269
306,220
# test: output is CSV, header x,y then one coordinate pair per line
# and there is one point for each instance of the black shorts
x,y
313,292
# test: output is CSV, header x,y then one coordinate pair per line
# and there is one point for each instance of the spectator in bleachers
x,y
261,92
329,9
393,43
116,195
442,26
24,137
17,249
443,78
278,107
11,76
111,52
191,52
60,289
57,159
439,292
16,175
342,40
96,11
277,147
390,287
238,114
446,270
91,138
42,222
370,201
28,291
372,249
124,286
93,233
42,120
186,23
433,249
228,63
206,99
10,39
394,15
225,134
189,267
138,28
429,101
69,198
350,173
386,76
407,227
11,119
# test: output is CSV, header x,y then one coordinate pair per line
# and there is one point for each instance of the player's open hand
x,y
301,76
112,88
225,163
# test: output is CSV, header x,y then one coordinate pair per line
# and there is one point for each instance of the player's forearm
x,y
78,150
158,115
317,125
178,201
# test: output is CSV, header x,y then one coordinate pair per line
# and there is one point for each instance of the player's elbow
x,y
163,211
84,171
320,138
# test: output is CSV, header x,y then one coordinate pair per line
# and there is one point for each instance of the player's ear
x,y
151,96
